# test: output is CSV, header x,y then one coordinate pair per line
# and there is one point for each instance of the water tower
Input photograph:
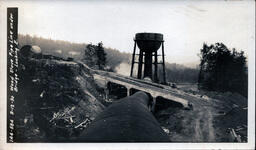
x,y
148,44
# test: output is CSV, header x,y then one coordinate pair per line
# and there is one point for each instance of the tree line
x,y
222,69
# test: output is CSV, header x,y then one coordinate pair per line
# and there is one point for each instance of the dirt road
x,y
202,124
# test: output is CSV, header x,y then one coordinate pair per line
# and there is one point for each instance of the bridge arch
x,y
116,91
163,103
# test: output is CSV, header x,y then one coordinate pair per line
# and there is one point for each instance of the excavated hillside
x,y
57,99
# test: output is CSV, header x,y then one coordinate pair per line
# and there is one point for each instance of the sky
x,y
186,25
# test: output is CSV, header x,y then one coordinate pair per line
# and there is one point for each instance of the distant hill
x,y
67,49
193,64
115,59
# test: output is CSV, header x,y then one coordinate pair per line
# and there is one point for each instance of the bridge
x,y
131,85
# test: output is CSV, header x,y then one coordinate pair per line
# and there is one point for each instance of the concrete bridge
x,y
131,85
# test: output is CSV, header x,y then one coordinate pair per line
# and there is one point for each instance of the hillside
x,y
57,98
67,49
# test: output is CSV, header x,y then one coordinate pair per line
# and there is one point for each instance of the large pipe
x,y
128,120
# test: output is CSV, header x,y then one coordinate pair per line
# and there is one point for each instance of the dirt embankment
x,y
216,117
57,99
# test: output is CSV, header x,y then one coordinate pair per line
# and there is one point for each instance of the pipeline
x,y
128,120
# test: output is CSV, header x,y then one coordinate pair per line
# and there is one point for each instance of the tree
x,y
101,61
222,70
90,55
95,56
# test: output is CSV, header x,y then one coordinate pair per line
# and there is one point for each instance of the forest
x,y
177,73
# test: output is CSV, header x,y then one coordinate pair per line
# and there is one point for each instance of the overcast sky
x,y
185,24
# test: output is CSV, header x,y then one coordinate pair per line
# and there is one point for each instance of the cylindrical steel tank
x,y
149,42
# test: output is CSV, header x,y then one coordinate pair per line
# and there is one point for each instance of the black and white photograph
x,y
133,74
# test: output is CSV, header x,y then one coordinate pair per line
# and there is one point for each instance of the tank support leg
x,y
163,63
133,57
